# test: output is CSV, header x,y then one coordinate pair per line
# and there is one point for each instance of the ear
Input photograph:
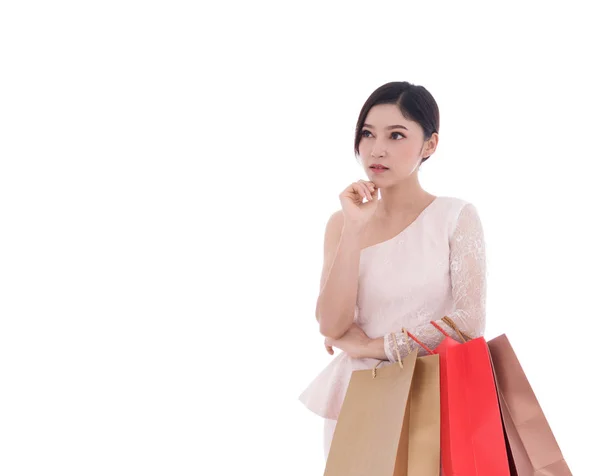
x,y
431,144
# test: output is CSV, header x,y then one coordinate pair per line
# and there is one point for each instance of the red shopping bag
x,y
471,433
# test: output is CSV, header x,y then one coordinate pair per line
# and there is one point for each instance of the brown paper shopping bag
x,y
389,422
424,419
534,449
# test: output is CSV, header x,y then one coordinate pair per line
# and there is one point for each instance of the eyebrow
x,y
395,126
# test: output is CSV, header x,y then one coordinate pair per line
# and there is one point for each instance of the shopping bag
x,y
424,419
472,436
389,422
533,446
371,433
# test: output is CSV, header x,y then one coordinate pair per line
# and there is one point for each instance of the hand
x,y
354,342
351,198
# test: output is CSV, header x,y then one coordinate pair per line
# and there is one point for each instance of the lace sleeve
x,y
468,277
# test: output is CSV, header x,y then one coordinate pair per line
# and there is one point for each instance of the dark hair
x,y
415,103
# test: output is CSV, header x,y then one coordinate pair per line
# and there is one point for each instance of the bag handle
x,y
450,323
397,349
427,349
463,335
435,324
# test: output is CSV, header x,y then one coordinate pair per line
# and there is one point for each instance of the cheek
x,y
363,153
404,150
362,148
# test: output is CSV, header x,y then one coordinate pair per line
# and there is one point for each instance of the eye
x,y
398,134
364,131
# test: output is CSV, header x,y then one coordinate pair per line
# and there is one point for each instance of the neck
x,y
402,198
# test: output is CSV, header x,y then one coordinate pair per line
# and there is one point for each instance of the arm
x,y
339,280
468,277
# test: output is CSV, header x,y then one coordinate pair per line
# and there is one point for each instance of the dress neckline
x,y
405,228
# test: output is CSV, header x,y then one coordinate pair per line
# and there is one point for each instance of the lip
x,y
378,170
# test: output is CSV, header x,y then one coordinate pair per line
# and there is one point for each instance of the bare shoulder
x,y
333,231
335,223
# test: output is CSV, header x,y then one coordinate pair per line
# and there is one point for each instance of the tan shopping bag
x,y
424,419
389,422
534,449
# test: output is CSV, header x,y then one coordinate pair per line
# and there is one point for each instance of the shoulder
x,y
454,206
335,223
453,203
333,229
458,211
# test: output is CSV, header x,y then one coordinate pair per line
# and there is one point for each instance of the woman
x,y
401,260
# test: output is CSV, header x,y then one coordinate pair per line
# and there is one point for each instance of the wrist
x,y
375,349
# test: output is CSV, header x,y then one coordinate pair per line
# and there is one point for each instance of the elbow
x,y
477,322
472,322
332,332
330,324
331,328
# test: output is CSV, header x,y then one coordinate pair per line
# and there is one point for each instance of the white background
x,y
167,170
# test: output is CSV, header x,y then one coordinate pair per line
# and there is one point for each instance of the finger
x,y
372,188
375,193
368,190
371,185
365,190
359,191
328,348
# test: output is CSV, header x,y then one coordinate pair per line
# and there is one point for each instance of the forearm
x,y
376,349
471,323
426,333
337,300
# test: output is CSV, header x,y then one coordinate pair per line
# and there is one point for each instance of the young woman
x,y
395,255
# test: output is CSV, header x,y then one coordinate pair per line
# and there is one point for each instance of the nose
x,y
377,151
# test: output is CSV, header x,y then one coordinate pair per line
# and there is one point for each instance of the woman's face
x,y
389,139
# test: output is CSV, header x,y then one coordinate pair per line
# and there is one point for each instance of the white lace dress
x,y
435,267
